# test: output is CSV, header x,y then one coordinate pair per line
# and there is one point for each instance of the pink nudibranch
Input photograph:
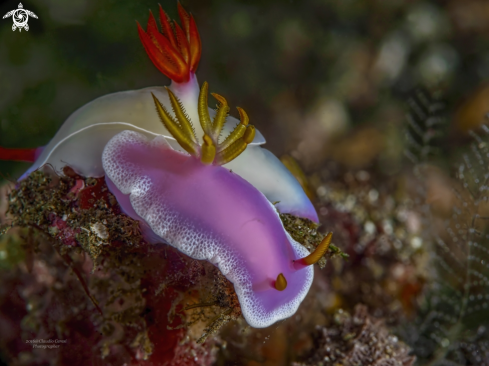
x,y
181,195
208,212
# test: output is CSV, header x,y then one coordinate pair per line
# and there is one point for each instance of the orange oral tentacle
x,y
316,255
281,282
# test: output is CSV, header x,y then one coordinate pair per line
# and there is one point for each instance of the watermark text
x,y
46,343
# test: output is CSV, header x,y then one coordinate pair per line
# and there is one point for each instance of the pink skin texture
x,y
208,212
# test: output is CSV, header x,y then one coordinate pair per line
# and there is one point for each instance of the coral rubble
x,y
355,340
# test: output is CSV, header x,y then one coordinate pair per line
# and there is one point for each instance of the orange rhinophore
x,y
176,50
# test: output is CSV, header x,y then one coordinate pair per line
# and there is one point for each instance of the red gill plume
x,y
176,50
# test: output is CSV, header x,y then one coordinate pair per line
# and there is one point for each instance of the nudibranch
x,y
176,53
208,212
208,196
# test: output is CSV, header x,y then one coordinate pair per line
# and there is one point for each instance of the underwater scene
x,y
242,182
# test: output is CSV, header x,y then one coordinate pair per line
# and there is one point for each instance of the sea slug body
x,y
206,189
208,212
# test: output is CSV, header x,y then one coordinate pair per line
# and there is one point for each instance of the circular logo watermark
x,y
20,17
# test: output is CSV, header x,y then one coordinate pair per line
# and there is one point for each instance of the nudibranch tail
x,y
175,51
211,151
316,255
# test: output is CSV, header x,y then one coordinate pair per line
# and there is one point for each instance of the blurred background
x,y
329,83
310,73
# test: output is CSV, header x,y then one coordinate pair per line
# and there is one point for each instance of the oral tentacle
x,y
316,255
